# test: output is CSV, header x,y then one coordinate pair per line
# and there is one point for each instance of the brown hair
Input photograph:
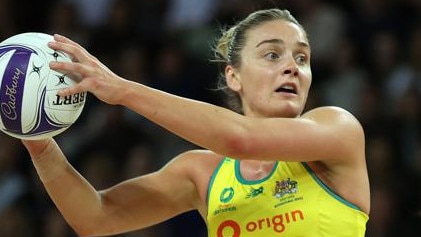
x,y
228,47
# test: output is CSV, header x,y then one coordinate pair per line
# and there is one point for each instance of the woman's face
x,y
275,75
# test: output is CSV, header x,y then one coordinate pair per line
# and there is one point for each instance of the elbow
x,y
94,227
89,231
81,234
97,222
85,230
91,227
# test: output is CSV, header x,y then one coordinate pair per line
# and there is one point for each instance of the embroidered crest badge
x,y
285,187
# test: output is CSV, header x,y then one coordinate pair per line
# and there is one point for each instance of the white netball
x,y
29,105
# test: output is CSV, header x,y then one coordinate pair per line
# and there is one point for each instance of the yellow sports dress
x,y
290,202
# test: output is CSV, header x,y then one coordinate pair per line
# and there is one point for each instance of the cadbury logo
x,y
8,107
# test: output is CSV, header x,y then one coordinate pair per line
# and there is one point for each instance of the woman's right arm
x,y
133,204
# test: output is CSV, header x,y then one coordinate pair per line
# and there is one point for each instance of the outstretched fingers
x,y
79,87
89,73
73,49
60,38
77,71
63,39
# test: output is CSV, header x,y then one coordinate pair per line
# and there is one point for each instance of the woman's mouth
x,y
287,89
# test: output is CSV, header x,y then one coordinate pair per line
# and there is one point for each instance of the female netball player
x,y
266,168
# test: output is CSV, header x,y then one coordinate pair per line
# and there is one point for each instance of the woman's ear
x,y
233,78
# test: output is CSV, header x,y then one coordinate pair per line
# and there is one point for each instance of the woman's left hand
x,y
91,75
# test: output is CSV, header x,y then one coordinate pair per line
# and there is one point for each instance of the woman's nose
x,y
291,70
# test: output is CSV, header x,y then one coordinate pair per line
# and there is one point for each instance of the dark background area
x,y
366,58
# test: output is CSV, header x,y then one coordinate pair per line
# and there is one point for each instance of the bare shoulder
x,y
196,159
332,114
345,124
346,132
347,173
197,166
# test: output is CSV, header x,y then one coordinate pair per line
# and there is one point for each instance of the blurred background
x,y
366,57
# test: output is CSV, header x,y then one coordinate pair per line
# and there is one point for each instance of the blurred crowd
x,y
366,57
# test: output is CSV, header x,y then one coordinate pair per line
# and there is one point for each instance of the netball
x,y
29,105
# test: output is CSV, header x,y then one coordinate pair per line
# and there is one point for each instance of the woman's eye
x,y
301,59
272,56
